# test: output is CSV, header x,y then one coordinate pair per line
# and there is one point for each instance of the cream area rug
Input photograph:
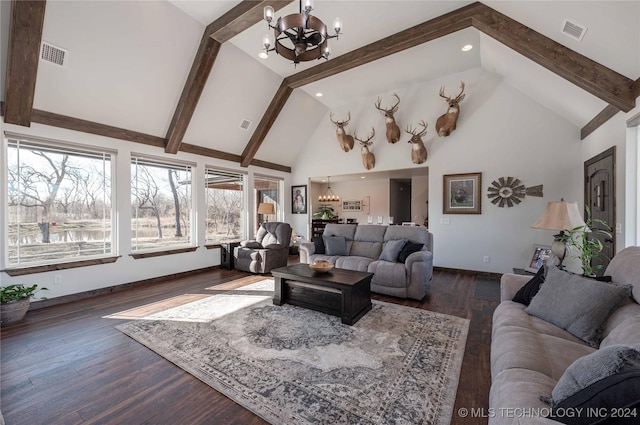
x,y
289,365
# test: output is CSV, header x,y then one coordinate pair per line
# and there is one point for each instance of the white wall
x,y
501,132
126,269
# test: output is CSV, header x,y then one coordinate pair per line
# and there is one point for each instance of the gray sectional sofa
x,y
529,355
364,246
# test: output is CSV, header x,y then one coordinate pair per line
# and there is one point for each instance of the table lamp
x,y
265,208
560,216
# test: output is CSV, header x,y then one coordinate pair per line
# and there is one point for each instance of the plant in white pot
x,y
15,301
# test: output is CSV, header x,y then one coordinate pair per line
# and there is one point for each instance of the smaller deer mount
x,y
418,151
446,123
345,140
368,159
393,131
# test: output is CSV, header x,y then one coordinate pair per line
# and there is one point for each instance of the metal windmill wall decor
x,y
509,191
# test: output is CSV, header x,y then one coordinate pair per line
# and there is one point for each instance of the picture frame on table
x,y
540,254
462,193
299,199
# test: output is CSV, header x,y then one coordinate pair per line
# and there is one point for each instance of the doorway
x,y
599,195
400,200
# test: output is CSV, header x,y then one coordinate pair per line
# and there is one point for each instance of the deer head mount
x,y
345,140
368,159
418,151
393,131
446,123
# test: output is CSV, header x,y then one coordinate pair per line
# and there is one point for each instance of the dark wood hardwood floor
x,y
67,364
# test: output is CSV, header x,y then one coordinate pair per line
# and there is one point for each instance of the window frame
x,y
166,163
245,197
76,149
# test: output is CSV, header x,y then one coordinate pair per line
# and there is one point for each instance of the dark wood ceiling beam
x,y
603,116
411,37
241,17
600,81
27,20
236,20
273,110
197,79
77,124
270,165
211,153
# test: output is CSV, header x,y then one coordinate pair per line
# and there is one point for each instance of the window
x,y
161,196
225,205
58,202
267,190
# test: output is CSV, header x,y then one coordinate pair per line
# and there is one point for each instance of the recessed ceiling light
x,y
263,55
318,94
363,177
467,47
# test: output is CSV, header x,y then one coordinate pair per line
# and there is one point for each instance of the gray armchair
x,y
269,250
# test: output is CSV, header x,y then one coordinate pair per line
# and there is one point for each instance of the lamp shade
x,y
560,216
266,208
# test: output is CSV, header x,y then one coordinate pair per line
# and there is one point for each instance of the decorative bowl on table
x,y
321,266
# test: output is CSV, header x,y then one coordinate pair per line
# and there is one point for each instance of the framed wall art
x,y
540,255
349,206
462,193
299,199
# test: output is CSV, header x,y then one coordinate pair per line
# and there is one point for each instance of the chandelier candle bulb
x,y
268,13
337,26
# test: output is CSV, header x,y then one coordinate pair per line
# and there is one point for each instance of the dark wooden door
x,y
599,195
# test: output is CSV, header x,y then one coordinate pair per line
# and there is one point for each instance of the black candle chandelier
x,y
300,36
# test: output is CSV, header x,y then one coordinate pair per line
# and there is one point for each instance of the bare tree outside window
x,y
161,204
225,206
49,218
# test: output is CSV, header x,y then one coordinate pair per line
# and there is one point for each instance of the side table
x,y
226,254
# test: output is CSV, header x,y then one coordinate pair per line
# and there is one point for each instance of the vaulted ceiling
x,y
183,75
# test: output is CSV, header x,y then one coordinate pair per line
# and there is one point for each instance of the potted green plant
x,y
586,247
15,301
324,212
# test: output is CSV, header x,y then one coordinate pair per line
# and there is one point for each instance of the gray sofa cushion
x,y
413,234
391,250
335,245
388,274
628,332
577,304
353,262
367,241
624,269
593,368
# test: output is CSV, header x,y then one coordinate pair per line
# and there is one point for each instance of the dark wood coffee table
x,y
340,292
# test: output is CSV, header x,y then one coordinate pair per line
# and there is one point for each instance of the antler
x,y
442,93
369,137
340,123
414,132
458,97
394,108
461,91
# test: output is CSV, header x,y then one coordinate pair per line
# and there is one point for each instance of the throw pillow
x,y
618,395
391,250
408,249
531,288
594,367
335,245
251,244
318,243
577,304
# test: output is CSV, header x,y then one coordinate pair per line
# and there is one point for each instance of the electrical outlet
x,y
57,279
444,221
619,228
486,259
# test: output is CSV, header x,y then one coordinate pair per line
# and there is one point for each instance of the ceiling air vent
x,y
52,54
573,29
245,124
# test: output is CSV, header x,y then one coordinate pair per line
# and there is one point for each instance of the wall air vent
x,y
573,29
245,124
52,54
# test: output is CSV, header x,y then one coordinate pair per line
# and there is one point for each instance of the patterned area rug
x,y
289,365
